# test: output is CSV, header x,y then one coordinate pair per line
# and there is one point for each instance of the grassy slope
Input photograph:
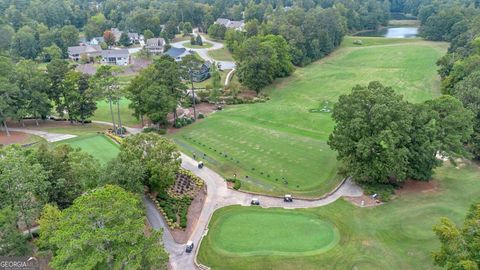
x,y
221,54
397,235
103,113
282,139
99,146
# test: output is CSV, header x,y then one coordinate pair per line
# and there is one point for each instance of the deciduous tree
x,y
103,229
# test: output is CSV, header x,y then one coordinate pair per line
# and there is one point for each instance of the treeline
x,y
26,91
457,22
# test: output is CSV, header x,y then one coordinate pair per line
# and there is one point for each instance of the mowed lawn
x,y
103,113
98,145
396,235
280,146
221,54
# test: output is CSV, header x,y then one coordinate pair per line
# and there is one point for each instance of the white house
x,y
236,25
96,41
90,51
119,57
155,45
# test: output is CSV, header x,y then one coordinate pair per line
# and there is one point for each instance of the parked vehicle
x,y
189,247
288,198
255,201
200,164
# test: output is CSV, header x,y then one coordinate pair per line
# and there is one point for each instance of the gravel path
x,y
50,137
204,51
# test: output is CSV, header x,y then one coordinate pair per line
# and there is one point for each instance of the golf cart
x,y
255,201
189,247
288,198
200,164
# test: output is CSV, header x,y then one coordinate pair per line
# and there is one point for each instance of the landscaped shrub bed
x,y
174,203
184,121
237,184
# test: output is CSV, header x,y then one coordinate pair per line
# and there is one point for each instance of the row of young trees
x,y
87,206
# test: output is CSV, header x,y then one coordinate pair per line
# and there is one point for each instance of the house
x,y
90,51
236,25
155,45
96,41
117,33
202,73
177,53
135,38
119,57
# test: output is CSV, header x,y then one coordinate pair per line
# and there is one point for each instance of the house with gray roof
x,y
155,45
90,51
177,53
119,57
236,25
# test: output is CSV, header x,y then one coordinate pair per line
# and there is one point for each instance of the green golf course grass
x,y
103,113
97,145
396,235
271,231
280,145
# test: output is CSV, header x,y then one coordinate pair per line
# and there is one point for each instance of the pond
x,y
392,32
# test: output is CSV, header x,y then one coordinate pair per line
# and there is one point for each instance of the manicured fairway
x,y
396,235
280,145
247,231
97,145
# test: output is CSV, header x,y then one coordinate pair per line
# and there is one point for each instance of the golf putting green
x,y
247,231
98,145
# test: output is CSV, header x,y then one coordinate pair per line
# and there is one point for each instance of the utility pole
x,y
193,94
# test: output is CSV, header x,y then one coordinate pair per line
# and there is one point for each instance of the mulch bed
x,y
15,137
411,186
194,211
367,201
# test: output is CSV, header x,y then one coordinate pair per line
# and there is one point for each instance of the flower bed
x,y
174,203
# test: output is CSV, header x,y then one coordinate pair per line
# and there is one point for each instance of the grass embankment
x,y
221,54
280,145
97,145
103,113
396,235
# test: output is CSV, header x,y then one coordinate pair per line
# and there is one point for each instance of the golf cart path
x,y
48,136
203,52
218,195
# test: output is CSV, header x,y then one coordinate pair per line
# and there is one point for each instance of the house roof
x,y
175,52
116,53
84,49
154,42
133,36
230,24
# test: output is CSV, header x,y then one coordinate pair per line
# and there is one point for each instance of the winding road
x,y
218,195
203,52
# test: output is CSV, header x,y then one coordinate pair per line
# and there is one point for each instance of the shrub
x,y
201,116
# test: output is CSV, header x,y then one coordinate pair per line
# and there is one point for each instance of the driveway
x,y
204,51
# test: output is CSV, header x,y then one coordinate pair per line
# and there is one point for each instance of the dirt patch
x,y
249,94
411,186
367,201
15,137
194,211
